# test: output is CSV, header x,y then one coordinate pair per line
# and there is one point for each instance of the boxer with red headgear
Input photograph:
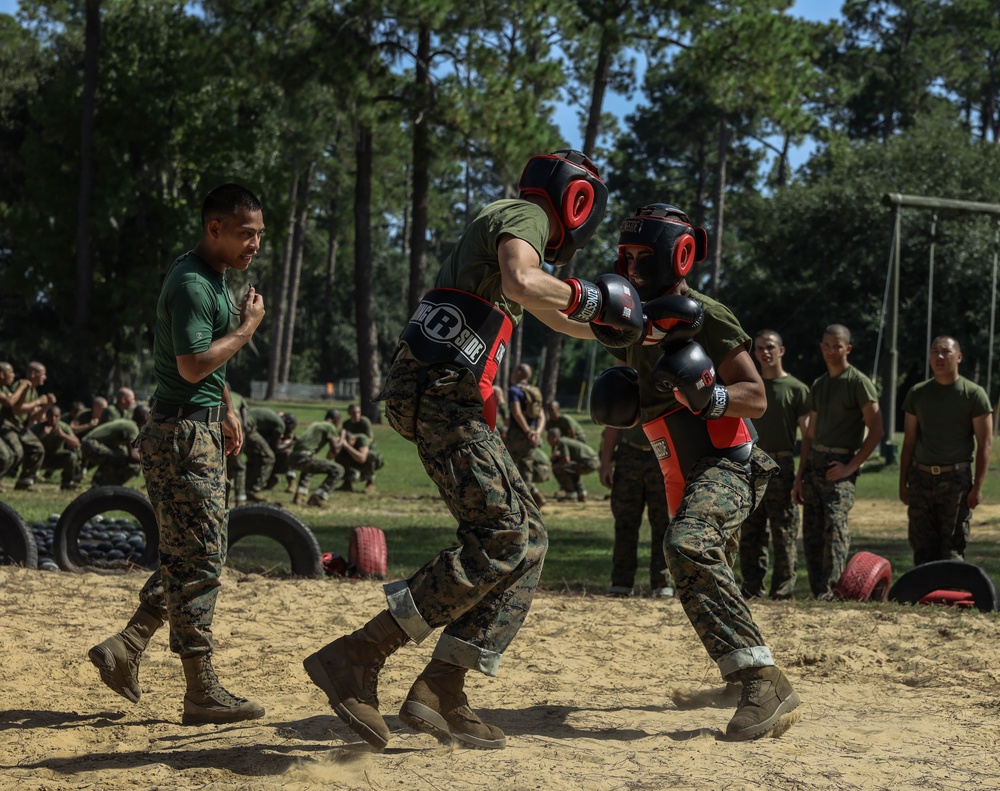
x,y
439,394
695,387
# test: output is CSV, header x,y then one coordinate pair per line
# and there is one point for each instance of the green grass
x,y
418,525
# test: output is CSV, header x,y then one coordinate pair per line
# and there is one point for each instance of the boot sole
x,y
219,719
101,658
787,705
426,720
314,668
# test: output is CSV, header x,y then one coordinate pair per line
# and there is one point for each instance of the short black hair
x,y
332,414
226,201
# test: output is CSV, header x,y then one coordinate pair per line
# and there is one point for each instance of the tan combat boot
x,y
207,701
438,705
767,695
300,496
117,658
347,671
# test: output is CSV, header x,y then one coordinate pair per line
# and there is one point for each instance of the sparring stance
x,y
439,394
693,384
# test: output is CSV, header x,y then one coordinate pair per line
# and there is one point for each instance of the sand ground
x,y
594,694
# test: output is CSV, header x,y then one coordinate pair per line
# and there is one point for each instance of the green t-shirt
x,y
267,422
838,403
315,437
720,334
239,405
114,413
361,426
7,413
473,266
52,442
193,310
568,427
944,415
574,450
115,433
787,401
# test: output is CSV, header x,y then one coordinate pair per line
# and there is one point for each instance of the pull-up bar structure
x,y
898,201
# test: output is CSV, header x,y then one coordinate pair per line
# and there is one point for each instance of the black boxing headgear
x,y
675,246
572,187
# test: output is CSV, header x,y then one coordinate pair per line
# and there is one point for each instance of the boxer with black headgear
x,y
696,388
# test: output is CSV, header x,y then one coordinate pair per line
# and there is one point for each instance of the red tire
x,y
368,553
866,577
956,598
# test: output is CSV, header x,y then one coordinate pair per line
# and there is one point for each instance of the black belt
x,y
937,469
635,445
203,414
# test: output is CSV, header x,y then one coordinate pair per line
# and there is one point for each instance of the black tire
x,y
274,522
99,500
367,553
866,577
16,539
947,575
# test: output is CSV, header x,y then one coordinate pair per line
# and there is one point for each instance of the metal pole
x,y
993,310
889,443
930,297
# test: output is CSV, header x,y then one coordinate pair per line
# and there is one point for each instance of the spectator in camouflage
x,y
632,472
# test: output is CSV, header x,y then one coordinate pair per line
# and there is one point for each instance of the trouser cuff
x,y
742,658
463,654
404,610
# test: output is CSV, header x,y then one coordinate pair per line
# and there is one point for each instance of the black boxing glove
x,y
672,318
614,399
612,308
689,372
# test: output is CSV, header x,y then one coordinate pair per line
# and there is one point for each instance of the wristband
x,y
717,404
585,304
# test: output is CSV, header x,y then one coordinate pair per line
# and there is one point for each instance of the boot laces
x,y
751,693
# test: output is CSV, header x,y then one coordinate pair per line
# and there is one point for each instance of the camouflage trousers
x,y
481,589
184,465
68,462
363,471
236,477
569,473
938,514
308,464
825,506
524,455
26,452
778,510
8,458
260,461
701,545
637,486
114,465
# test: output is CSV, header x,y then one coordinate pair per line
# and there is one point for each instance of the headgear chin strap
x,y
674,244
569,182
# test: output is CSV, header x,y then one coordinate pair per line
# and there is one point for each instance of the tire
x,y
866,577
368,554
954,575
16,539
274,522
66,540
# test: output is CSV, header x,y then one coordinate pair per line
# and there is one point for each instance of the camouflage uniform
x,y
638,485
185,469
778,509
480,590
939,514
825,506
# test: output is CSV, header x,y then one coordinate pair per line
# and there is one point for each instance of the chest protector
x,y
680,438
459,328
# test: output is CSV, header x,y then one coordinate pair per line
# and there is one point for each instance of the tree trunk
x,y
84,260
283,270
326,323
720,205
301,214
421,174
368,373
554,340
